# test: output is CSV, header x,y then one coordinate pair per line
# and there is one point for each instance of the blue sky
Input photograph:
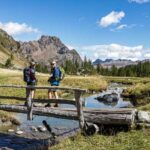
x,y
95,28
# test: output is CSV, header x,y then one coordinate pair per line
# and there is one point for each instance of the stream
x,y
61,125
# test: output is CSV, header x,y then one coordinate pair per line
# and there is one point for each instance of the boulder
x,y
143,116
108,98
33,128
41,128
19,132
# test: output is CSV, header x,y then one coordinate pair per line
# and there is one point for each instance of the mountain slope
x,y
8,48
46,49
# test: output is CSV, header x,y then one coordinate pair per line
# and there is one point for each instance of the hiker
x,y
54,81
30,79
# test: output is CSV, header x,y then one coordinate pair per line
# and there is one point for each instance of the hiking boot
x,y
56,105
48,105
25,103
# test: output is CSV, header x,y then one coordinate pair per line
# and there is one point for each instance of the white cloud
x,y
120,27
14,28
140,1
112,18
123,26
114,51
147,55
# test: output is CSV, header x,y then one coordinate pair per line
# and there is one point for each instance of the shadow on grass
x,y
110,130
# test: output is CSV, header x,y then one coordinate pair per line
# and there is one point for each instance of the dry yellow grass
x,y
93,83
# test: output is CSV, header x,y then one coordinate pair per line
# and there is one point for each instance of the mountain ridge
x,y
43,50
48,48
108,63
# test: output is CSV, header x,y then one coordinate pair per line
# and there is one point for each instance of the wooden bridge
x,y
98,116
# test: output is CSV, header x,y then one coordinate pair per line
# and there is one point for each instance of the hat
x,y
53,62
32,63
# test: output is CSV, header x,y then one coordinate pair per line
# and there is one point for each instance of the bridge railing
x,y
29,101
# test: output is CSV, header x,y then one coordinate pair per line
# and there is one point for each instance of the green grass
x,y
145,107
7,46
127,80
5,116
92,83
8,77
139,93
132,140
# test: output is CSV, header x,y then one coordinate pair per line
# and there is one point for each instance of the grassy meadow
x,y
11,77
132,140
127,80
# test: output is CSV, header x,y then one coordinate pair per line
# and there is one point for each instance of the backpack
x,y
62,73
26,75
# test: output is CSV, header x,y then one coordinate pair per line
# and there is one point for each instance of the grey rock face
x,y
48,48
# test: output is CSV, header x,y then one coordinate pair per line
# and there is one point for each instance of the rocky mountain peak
x,y
48,48
47,40
44,50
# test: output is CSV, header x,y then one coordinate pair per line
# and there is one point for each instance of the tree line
x,y
139,70
87,68
72,67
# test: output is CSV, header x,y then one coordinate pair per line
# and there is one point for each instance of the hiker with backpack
x,y
30,79
54,80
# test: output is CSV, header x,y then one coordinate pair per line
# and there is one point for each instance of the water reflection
x,y
92,102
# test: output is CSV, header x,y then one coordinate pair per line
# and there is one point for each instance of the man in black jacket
x,y
32,79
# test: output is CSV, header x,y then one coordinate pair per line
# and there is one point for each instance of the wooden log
x,y
90,116
60,101
51,112
29,105
102,110
111,111
44,87
107,116
79,109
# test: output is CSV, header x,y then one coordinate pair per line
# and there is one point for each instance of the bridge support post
x,y
29,103
79,109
